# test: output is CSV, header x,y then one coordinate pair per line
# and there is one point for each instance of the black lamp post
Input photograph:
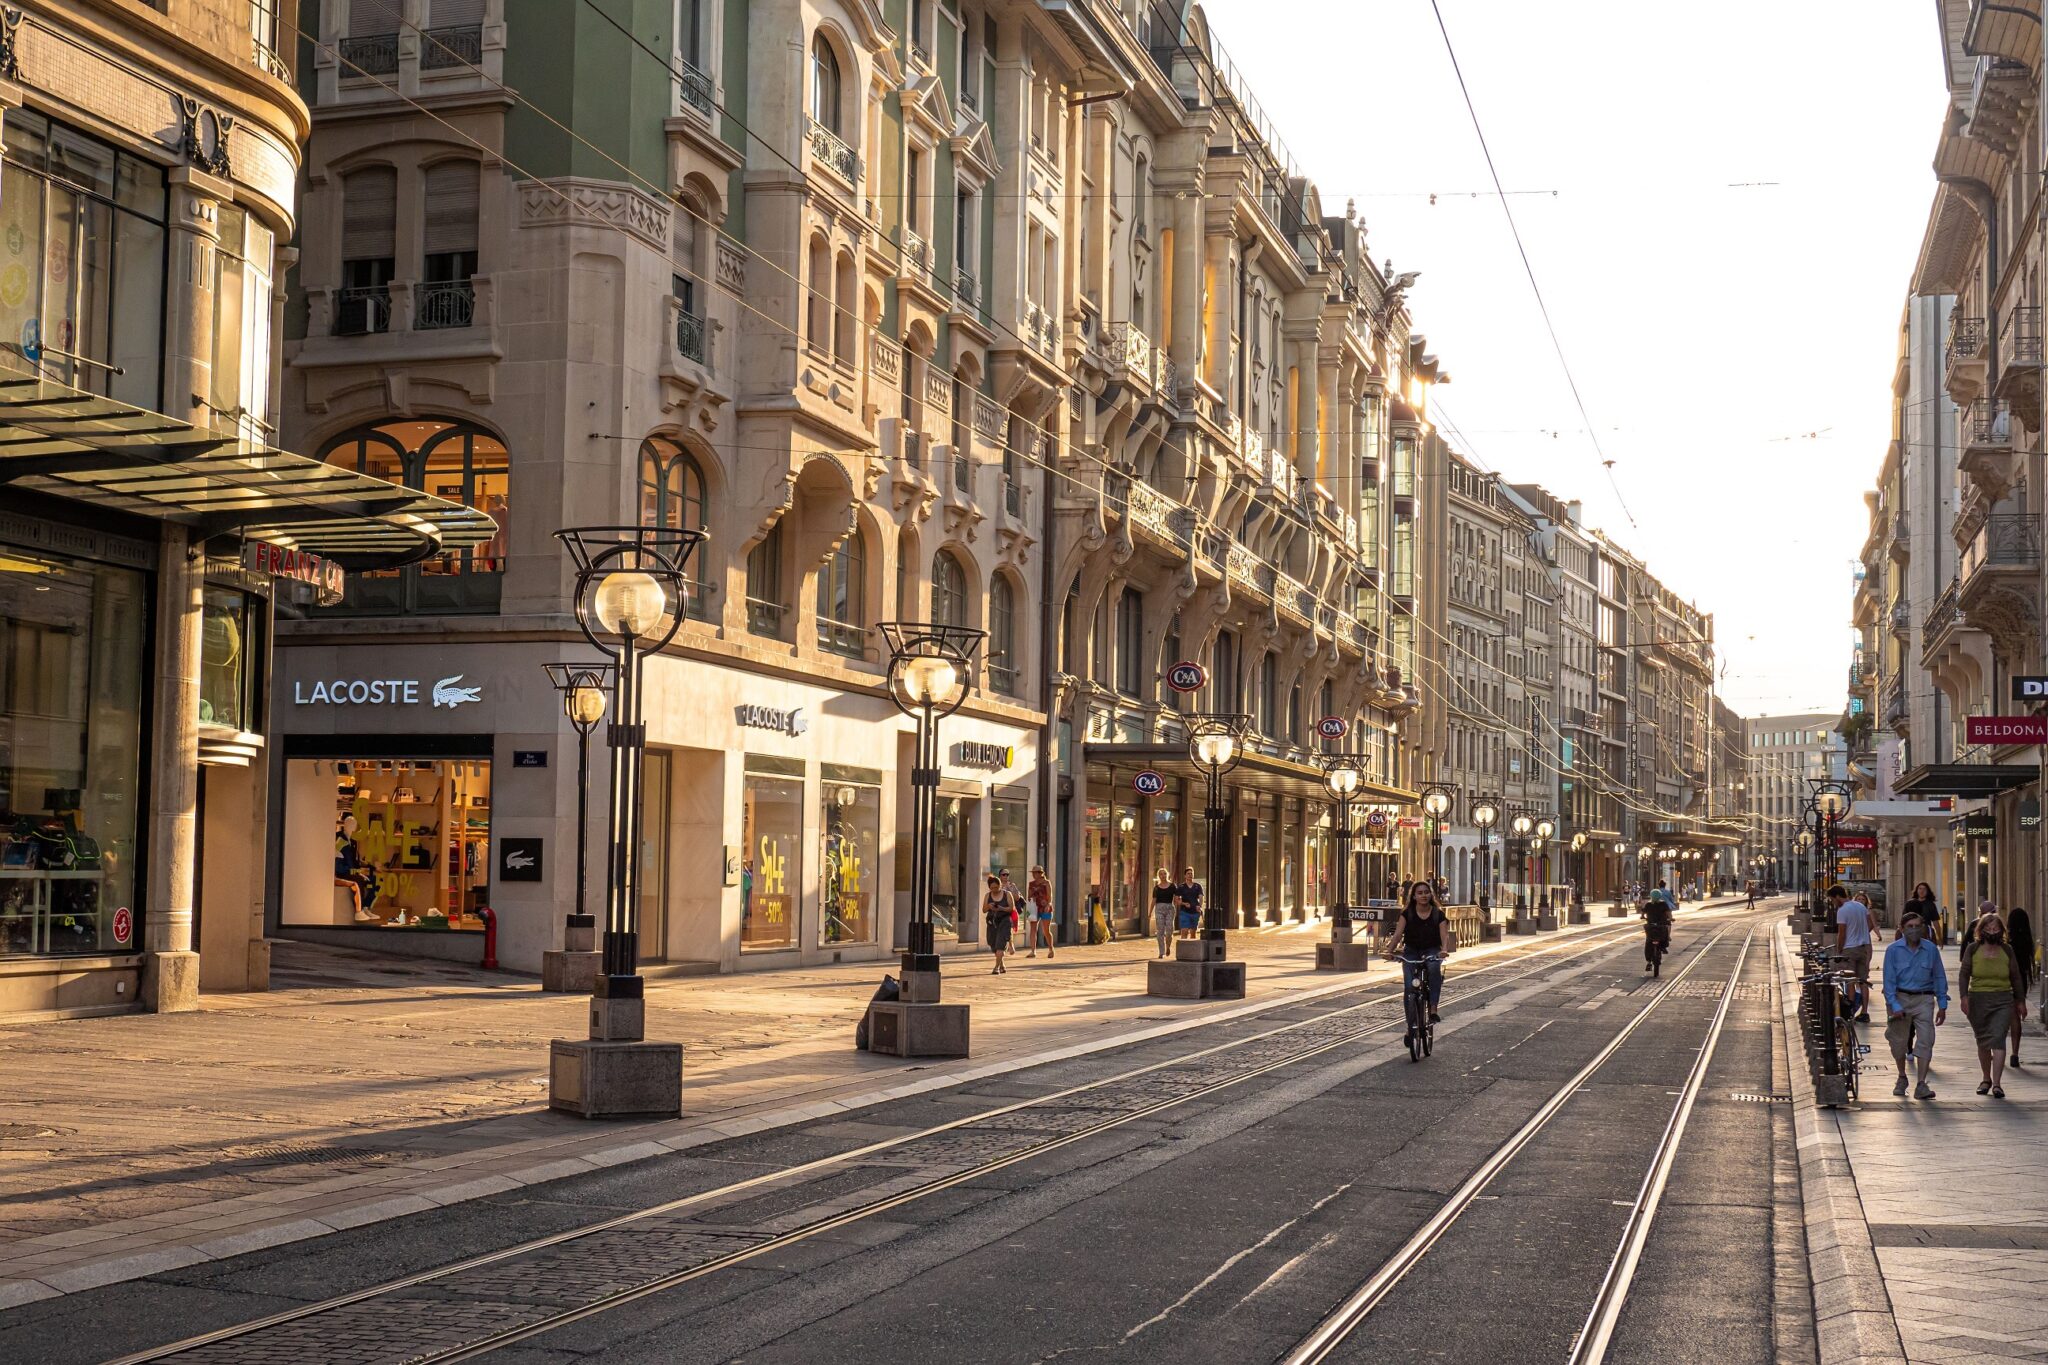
x,y
1216,744
1546,827
583,687
1341,774
1578,869
1520,824
631,594
930,669
1437,800
1486,814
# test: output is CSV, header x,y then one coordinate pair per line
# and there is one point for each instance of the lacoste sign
x,y
447,692
791,722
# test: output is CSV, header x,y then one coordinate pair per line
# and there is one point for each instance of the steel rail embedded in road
x,y
1546,957
1332,1331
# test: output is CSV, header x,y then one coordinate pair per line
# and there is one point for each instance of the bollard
x,y
490,919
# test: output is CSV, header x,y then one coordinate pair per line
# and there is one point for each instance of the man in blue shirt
x,y
1916,995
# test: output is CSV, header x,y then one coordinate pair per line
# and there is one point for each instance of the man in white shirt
x,y
1854,933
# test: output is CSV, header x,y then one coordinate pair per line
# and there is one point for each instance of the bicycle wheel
x,y
1417,1022
1845,1045
1428,1039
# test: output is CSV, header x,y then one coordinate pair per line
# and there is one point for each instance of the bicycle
x,y
1415,999
1657,945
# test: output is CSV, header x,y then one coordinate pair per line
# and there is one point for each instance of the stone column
x,y
1216,320
170,968
1306,384
1102,123
1185,343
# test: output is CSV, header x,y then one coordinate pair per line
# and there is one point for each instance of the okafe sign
x,y
2006,730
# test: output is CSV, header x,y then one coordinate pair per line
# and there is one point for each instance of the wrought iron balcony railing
x,y
374,54
690,336
1990,423
443,303
459,46
2010,540
2020,340
694,88
1965,337
835,152
362,309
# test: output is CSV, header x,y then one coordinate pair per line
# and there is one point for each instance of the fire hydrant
x,y
490,919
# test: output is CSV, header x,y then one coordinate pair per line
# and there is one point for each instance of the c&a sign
x,y
2006,730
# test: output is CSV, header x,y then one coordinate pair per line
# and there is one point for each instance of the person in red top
x,y
1039,892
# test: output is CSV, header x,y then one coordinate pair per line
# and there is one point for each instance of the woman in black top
x,y
1163,911
1922,903
1422,932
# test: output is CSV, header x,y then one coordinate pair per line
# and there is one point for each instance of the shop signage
x,y
519,860
300,566
791,721
1846,842
124,925
970,753
1411,822
529,758
383,692
1376,822
1980,824
1333,727
2030,814
2006,730
1148,783
1187,676
2030,687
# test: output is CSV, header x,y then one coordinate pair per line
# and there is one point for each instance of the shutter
x,y
451,207
369,211
371,18
454,13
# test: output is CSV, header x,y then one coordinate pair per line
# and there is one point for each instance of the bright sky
x,y
1733,341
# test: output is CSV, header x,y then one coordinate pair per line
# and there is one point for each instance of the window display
x,y
850,818
412,843
771,865
224,676
1009,825
70,743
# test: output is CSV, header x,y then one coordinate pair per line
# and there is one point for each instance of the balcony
x,y
1892,702
917,257
1999,576
1942,620
269,59
443,303
442,49
690,336
832,151
2019,363
1042,332
1900,616
693,89
361,310
1987,455
1131,354
1967,357
964,293
374,54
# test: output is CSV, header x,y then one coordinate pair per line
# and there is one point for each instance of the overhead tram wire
x,y
1592,432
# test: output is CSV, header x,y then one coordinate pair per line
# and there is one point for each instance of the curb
x,y
301,1212
1852,1308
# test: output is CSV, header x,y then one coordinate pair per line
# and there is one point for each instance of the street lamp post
x,y
1486,814
1200,967
931,668
574,966
631,594
1578,910
1546,830
1341,774
1520,824
1436,804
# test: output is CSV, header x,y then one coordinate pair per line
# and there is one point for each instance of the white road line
x,y
1220,1271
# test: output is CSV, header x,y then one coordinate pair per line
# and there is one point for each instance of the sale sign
x,y
2006,730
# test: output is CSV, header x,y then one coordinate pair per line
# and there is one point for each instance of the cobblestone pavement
x,y
364,1087
1954,1197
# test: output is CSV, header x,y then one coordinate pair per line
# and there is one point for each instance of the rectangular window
x,y
850,822
225,679
387,843
771,863
1009,834
913,190
70,782
241,325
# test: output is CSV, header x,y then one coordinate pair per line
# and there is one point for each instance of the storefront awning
x,y
72,444
1259,772
1969,780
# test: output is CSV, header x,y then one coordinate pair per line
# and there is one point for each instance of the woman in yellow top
x,y
1994,994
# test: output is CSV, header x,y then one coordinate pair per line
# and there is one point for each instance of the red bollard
x,y
490,919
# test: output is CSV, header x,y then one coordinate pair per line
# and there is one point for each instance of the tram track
x,y
1328,1339
457,1312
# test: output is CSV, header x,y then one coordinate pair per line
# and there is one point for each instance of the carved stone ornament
x,y
10,50
203,136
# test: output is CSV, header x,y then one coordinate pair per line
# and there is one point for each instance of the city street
x,y
1205,1196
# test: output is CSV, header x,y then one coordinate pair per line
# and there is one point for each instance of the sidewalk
x,y
1941,1202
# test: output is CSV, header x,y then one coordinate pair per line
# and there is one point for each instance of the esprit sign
x,y
2006,730
384,692
299,566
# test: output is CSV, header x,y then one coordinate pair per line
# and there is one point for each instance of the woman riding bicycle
x,y
1421,938
1656,927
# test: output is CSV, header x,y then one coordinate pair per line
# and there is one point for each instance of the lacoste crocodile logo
x,y
447,694
518,862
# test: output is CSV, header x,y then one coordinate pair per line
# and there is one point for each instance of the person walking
x,y
1916,1001
999,917
1854,934
1163,895
1994,999
1188,897
2020,929
1038,894
1923,904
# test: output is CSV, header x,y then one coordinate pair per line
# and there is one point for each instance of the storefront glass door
x,y
654,845
1129,893
950,827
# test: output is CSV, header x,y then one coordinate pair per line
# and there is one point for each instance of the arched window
x,y
672,494
842,599
1002,636
949,590
825,83
458,461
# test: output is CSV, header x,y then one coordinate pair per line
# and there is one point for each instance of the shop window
x,y
850,825
369,251
225,678
672,495
842,599
454,460
771,866
1002,636
1009,834
71,698
82,258
952,890
387,843
240,377
949,590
